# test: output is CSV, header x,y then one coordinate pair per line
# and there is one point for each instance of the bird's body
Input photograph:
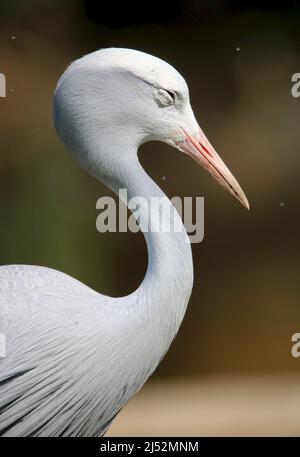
x,y
74,356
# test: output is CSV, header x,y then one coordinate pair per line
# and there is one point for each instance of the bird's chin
x,y
199,148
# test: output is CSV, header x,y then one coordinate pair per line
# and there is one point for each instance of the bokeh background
x,y
230,369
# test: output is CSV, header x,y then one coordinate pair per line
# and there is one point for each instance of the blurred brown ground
x,y
214,406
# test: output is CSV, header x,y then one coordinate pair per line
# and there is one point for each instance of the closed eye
x,y
164,97
172,94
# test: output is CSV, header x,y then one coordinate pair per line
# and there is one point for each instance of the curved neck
x,y
167,285
169,273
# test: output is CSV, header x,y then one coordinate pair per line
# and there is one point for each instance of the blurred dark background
x,y
238,59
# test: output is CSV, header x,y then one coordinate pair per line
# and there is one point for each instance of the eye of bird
x,y
166,97
171,94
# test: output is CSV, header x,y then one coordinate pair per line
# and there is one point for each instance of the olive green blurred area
x,y
245,303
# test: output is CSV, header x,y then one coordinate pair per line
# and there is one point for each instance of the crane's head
x,y
127,97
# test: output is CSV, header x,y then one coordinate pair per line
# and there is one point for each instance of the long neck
x,y
167,285
169,277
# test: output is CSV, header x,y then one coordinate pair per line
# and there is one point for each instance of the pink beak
x,y
199,148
